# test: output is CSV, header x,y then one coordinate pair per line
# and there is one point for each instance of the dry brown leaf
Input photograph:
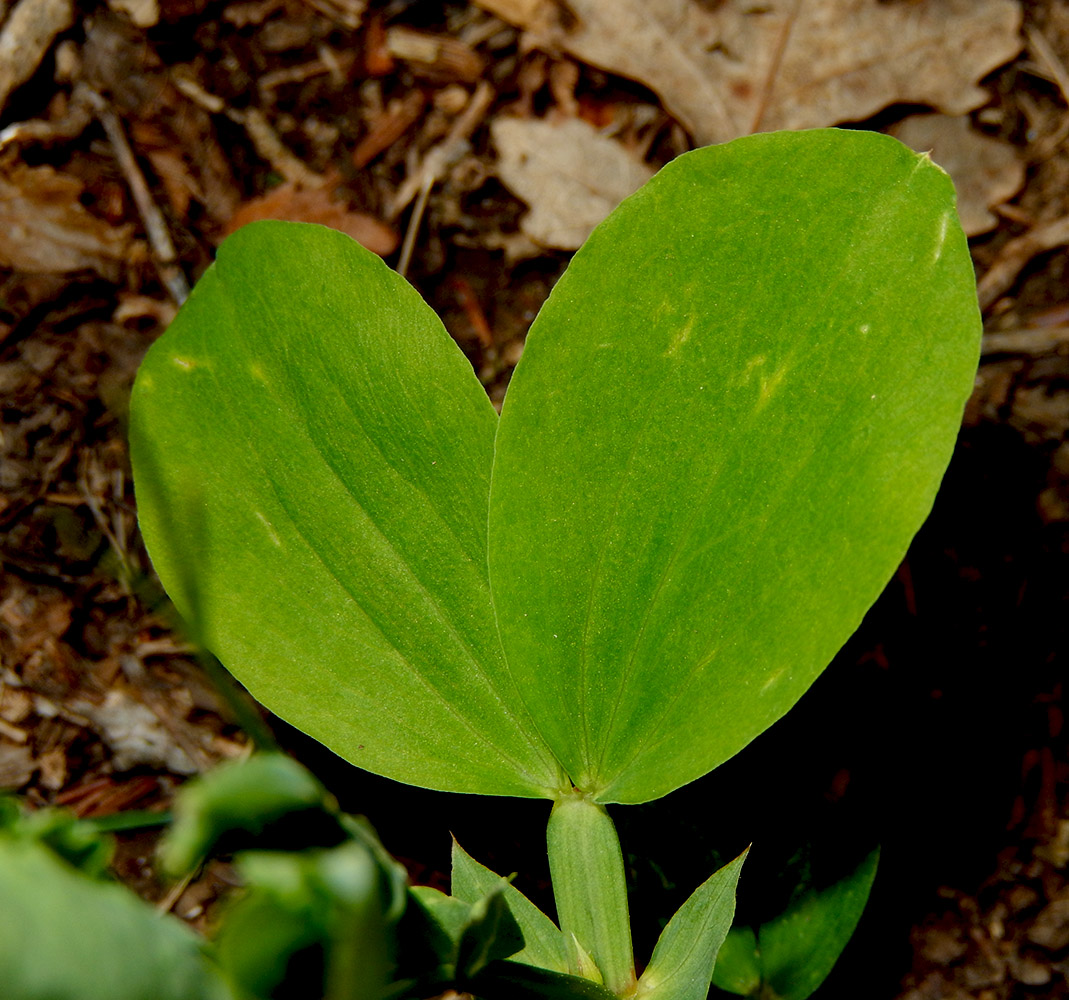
x,y
569,174
744,67
45,229
986,171
294,204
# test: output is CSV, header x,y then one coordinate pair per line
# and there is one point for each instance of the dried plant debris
x,y
986,171
570,175
45,229
25,37
731,68
290,202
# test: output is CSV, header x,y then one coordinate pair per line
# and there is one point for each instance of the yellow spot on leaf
x,y
271,533
680,338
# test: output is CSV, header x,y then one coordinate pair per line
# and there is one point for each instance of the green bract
x,y
731,416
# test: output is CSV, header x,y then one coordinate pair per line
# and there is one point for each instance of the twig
x,y
438,159
1034,341
400,115
259,130
166,904
1016,254
775,65
414,221
155,226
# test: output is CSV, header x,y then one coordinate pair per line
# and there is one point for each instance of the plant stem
x,y
587,868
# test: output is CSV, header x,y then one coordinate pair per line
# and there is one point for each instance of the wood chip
x,y
16,766
347,13
1034,341
438,56
142,13
400,115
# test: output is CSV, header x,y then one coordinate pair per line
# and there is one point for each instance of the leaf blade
x,y
313,457
727,424
685,954
543,944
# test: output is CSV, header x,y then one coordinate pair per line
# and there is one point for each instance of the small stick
x,y
1016,254
1034,341
435,164
1042,48
261,134
152,218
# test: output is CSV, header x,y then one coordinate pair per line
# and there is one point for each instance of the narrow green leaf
x,y
730,418
451,915
81,843
738,964
799,948
65,936
543,943
246,798
682,964
329,905
587,868
491,934
312,455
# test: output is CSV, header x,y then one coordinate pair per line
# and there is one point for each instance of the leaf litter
x,y
353,108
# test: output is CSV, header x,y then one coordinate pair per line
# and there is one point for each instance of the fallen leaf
x,y
45,229
743,67
295,204
986,171
569,174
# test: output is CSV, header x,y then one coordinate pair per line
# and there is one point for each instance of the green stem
x,y
587,868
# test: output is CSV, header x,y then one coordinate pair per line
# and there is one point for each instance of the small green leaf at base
x,y
792,954
683,960
491,934
240,802
543,942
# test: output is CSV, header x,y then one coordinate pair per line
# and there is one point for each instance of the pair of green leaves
x,y
730,418
682,960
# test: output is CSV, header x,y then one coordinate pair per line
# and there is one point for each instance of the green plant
x,y
731,416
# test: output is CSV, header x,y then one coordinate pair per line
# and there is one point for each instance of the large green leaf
x,y
730,418
312,457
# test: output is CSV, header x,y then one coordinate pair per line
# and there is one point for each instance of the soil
x,y
937,732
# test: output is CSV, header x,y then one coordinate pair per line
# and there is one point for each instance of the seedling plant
x,y
731,416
